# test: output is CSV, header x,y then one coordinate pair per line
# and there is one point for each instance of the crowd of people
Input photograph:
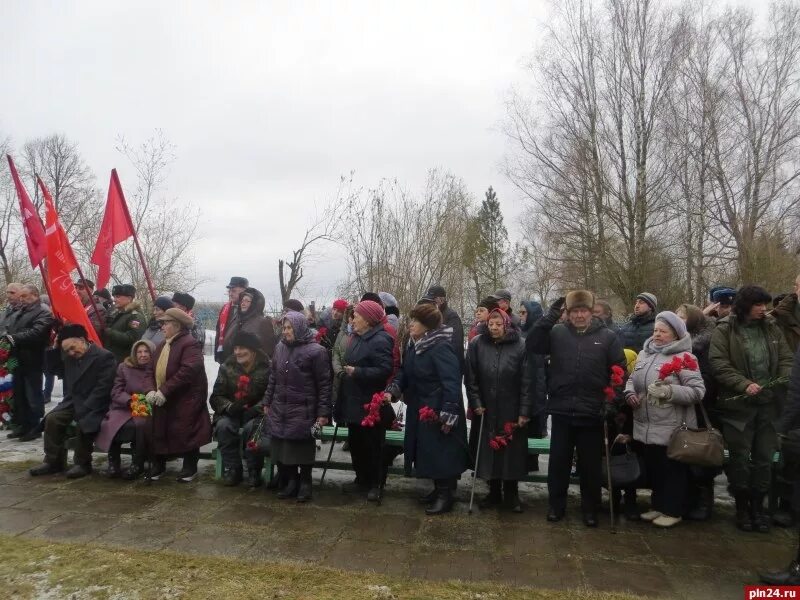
x,y
596,387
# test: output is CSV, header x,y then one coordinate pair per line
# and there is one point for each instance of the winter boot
x,y
761,520
511,496
114,469
232,476
290,489
784,515
254,479
134,471
493,498
428,498
188,471
744,520
304,489
629,506
704,504
444,499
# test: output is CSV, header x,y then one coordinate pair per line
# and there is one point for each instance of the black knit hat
x,y
372,296
126,289
489,303
183,299
436,291
71,330
295,305
163,302
247,340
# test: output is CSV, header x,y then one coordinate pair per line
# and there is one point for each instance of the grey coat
x,y
654,425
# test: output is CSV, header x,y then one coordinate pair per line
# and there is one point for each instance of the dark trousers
x,y
49,382
55,437
566,439
749,468
28,400
134,432
232,434
366,445
669,480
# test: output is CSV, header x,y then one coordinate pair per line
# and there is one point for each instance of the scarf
x,y
161,365
432,337
223,322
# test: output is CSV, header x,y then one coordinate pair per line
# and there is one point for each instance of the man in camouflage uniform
x,y
126,324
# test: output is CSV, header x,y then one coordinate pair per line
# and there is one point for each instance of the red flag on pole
x,y
60,264
31,223
116,228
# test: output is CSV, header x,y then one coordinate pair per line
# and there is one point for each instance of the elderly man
x,y
635,332
126,325
185,302
88,377
94,309
12,302
582,351
228,314
28,330
602,310
503,297
450,318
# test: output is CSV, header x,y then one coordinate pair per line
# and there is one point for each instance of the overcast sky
x,y
268,103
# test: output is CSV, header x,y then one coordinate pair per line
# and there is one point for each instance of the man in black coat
x,y
450,318
582,351
635,332
228,315
88,377
28,331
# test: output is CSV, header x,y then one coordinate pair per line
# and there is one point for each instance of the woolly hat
x,y
176,314
489,303
649,299
126,289
247,340
579,299
372,312
341,304
373,297
294,305
183,299
163,302
71,330
674,321
427,314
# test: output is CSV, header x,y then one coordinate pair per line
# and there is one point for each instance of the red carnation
x,y
508,428
493,444
609,393
251,445
689,362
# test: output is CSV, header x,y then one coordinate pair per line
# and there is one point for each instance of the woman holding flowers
x,y
237,400
430,384
128,417
662,391
499,389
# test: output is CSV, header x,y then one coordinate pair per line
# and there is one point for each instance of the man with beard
x,y
635,332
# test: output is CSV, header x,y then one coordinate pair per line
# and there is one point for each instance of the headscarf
x,y
302,333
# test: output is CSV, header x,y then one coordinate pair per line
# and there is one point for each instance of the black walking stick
x,y
477,457
608,474
330,452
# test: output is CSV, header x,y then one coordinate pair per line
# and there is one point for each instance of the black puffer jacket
x,y
371,355
635,332
580,364
29,328
450,318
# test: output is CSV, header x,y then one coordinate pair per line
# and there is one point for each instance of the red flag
x,y
31,223
116,228
60,264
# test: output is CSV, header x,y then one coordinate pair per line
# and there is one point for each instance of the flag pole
x,y
150,287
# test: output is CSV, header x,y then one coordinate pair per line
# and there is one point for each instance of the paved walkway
x,y
692,561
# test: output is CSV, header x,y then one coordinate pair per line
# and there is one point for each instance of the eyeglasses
x,y
163,322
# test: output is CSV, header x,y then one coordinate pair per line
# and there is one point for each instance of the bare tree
x,y
321,230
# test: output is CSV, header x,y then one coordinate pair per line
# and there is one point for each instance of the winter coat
x,y
153,332
791,413
124,327
612,326
87,387
337,366
253,321
131,379
450,318
535,312
29,327
433,379
732,371
223,397
580,365
635,332
499,379
182,424
787,315
97,314
652,424
371,355
299,389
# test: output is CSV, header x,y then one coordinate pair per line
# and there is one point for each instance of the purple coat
x,y
299,389
129,380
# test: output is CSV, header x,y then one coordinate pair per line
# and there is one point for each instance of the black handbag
x,y
626,469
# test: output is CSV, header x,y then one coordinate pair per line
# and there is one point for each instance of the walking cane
x,y
477,457
330,452
608,474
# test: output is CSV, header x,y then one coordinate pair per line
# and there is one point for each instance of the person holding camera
x,y
298,402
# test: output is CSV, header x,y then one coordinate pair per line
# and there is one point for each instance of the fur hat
x,y
71,330
176,314
247,340
183,299
131,359
126,289
579,299
649,299
372,312
102,293
427,314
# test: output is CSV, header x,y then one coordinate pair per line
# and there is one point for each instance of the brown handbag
x,y
703,447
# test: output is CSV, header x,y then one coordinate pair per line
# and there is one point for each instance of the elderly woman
x,y
661,402
430,384
482,311
367,367
180,415
251,319
134,376
237,400
500,390
298,400
153,332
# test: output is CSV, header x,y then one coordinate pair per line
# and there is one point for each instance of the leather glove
x,y
659,394
558,305
159,399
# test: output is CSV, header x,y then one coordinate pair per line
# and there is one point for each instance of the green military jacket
x,y
786,314
123,328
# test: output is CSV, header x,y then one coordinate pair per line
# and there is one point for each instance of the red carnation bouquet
x,y
255,438
498,442
373,408
676,365
242,389
428,415
616,379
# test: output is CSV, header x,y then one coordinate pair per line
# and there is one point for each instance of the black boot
x,y
789,576
134,471
704,503
444,499
280,480
290,489
232,476
158,466
114,469
761,520
493,498
784,515
304,489
511,496
744,520
629,506
428,498
254,479
189,469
